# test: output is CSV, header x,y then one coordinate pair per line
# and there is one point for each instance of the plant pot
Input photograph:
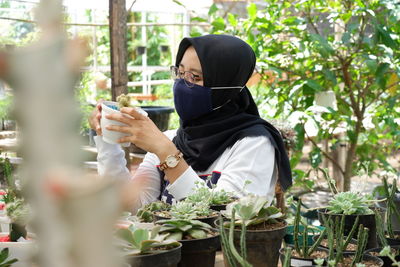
x,y
315,230
387,262
111,137
160,116
352,241
378,261
168,258
140,50
262,246
22,251
164,48
208,220
394,241
199,252
298,261
366,220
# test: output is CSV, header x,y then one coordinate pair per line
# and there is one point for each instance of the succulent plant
x,y
252,210
184,229
135,241
188,210
203,193
348,203
123,101
145,214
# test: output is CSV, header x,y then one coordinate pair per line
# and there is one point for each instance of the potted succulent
x,y
20,244
304,253
187,210
217,200
199,241
146,213
256,228
351,205
144,247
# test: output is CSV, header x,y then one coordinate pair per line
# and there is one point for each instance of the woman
x,y
221,133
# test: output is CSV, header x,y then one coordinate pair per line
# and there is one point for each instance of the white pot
x,y
22,251
111,137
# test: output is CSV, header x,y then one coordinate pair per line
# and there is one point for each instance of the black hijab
x,y
226,61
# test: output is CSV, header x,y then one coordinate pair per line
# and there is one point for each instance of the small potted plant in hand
x,y
256,228
199,241
142,247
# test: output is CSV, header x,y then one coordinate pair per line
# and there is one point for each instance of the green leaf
x,y
3,254
315,157
213,9
326,48
232,19
145,245
140,235
175,236
126,235
197,233
219,24
252,10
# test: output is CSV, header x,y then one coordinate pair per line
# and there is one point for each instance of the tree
x,y
350,47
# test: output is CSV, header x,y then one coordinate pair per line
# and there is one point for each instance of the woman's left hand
x,y
142,131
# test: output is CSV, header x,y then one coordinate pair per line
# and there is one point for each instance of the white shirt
x,y
249,159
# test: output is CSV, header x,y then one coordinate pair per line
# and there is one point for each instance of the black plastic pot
x,y
168,258
387,262
208,220
393,241
140,50
366,220
378,261
199,252
262,246
160,116
301,262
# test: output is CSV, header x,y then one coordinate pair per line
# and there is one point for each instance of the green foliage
x,y
253,210
348,203
4,261
184,229
187,210
136,241
5,106
204,194
145,214
386,252
349,47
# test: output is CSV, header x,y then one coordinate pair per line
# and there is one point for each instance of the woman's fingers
x,y
117,128
121,118
133,112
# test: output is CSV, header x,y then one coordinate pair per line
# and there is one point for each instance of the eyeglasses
x,y
189,77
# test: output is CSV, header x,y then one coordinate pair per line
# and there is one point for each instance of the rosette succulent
x,y
348,203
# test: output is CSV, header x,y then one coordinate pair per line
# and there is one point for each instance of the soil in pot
x,y
297,261
394,241
387,262
263,242
367,260
367,220
199,252
167,258
351,247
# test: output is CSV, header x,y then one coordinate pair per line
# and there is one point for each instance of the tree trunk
x,y
118,44
351,153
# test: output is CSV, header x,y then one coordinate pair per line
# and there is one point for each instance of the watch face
x,y
171,161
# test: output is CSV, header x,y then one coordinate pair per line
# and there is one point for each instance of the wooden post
x,y
118,28
118,50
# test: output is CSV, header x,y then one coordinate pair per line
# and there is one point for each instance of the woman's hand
x,y
142,132
94,119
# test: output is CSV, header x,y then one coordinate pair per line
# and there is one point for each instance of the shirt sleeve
x,y
112,163
251,159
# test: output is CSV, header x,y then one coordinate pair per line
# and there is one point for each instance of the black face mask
x,y
196,101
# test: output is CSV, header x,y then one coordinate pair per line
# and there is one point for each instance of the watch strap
x,y
164,164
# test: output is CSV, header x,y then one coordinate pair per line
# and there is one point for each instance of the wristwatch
x,y
171,161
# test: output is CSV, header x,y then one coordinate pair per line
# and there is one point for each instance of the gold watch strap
x,y
164,165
